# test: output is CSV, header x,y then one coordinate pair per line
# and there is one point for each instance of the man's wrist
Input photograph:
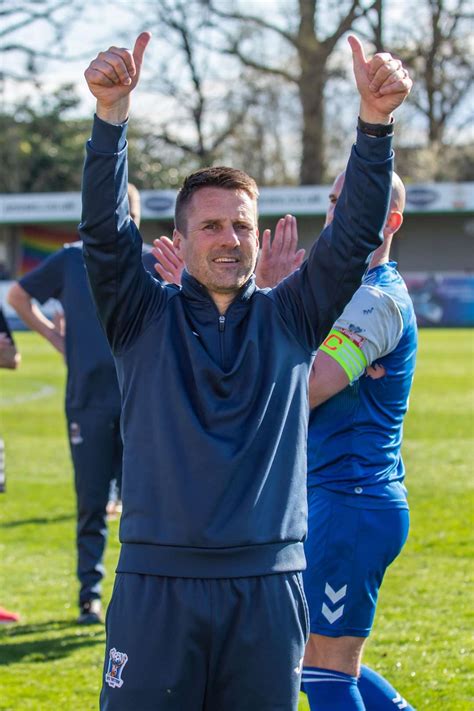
x,y
117,114
370,115
376,130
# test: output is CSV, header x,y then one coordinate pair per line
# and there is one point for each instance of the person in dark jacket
x,y
92,398
208,610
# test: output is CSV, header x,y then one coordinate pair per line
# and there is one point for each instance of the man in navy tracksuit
x,y
208,611
92,401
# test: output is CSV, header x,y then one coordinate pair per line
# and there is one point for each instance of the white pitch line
x,y
45,391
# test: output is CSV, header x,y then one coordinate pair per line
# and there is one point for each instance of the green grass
x,y
421,639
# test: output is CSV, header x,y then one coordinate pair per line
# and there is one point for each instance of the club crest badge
x,y
117,661
75,433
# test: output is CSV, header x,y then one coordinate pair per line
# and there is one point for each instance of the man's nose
x,y
229,236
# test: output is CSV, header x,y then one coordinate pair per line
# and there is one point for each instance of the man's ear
x,y
178,242
394,222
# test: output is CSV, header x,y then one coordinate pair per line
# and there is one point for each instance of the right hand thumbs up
x,y
112,75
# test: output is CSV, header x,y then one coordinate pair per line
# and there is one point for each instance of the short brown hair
x,y
215,177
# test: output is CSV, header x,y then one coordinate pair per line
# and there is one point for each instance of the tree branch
x,y
346,23
255,20
234,51
234,123
34,16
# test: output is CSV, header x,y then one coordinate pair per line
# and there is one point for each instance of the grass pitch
x,y
421,640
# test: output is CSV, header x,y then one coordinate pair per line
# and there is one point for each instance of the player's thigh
x,y
348,551
93,443
263,627
157,641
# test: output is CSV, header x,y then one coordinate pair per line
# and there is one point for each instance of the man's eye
x,y
242,226
211,227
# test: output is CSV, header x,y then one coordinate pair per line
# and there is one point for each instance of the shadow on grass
x,y
19,630
45,647
38,521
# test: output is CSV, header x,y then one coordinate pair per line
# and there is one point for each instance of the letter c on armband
x,y
345,352
333,335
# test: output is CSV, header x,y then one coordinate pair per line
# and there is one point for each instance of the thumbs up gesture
x,y
382,82
112,75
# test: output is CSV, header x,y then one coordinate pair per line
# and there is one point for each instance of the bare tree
x,y
437,44
309,47
205,108
29,29
267,144
376,23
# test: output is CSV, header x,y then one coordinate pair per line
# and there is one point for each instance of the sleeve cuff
x,y
373,149
108,138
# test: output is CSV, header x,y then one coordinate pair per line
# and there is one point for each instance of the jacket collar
x,y
194,290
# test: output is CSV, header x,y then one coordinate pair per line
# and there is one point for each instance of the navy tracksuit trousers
x,y
189,644
96,450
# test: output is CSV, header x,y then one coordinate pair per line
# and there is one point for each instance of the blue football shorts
x,y
348,551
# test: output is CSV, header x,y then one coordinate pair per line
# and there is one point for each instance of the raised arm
x,y
316,295
125,295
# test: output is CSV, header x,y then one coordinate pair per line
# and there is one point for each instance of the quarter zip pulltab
x,y
221,327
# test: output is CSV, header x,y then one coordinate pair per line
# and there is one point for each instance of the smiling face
x,y
220,244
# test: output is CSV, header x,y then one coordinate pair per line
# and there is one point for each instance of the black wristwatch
x,y
377,130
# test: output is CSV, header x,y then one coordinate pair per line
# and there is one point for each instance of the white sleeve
x,y
373,321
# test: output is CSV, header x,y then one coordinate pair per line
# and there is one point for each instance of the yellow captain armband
x,y
345,352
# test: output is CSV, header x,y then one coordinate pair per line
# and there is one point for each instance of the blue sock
x,y
329,690
378,694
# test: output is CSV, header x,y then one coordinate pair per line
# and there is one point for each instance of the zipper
x,y
221,327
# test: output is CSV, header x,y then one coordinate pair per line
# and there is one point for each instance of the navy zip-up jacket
x,y
215,410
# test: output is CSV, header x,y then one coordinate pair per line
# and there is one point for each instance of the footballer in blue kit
x,y
358,515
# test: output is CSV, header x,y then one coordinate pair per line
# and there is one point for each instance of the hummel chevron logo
x,y
335,595
332,616
400,702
